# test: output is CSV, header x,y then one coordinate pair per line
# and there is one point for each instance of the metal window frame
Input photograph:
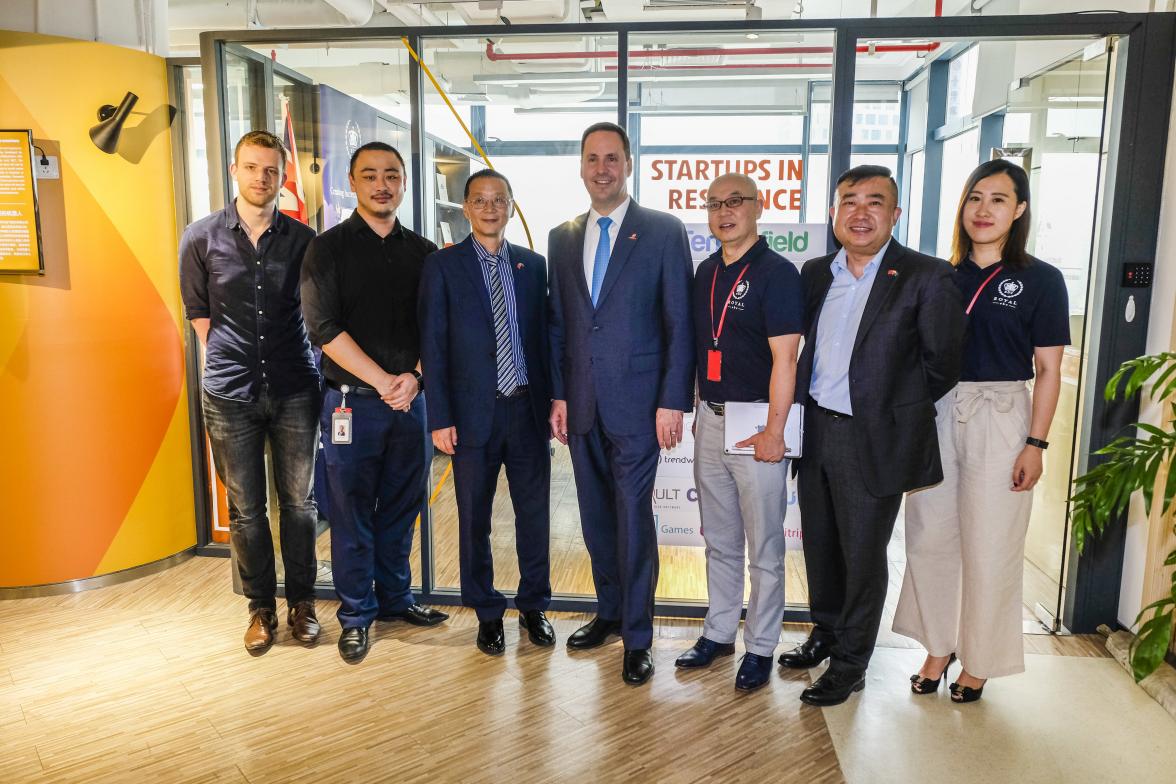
x,y
1136,178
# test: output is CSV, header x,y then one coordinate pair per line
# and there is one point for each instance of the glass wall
x,y
526,99
1040,103
698,103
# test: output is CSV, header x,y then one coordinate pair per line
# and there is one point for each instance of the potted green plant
x,y
1133,463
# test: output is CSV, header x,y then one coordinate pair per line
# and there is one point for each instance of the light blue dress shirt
x,y
837,331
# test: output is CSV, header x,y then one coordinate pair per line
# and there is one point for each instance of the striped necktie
x,y
508,375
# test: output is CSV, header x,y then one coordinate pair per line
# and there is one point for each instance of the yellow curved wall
x,y
95,468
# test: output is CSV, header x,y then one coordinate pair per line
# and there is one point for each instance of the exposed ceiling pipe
x,y
234,14
495,57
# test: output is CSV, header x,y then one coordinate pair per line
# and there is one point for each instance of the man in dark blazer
x,y
483,317
622,356
883,339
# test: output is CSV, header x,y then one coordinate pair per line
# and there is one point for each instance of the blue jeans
x,y
238,431
377,486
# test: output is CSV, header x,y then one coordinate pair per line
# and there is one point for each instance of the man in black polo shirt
x,y
359,293
748,316
239,272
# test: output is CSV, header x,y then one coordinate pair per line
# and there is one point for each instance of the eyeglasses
x,y
481,203
714,205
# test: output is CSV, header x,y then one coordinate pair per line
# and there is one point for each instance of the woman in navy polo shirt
x,y
965,537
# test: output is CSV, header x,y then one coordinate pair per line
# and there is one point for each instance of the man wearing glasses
x,y
748,317
482,311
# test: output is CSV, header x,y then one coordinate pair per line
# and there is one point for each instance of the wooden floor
x,y
148,682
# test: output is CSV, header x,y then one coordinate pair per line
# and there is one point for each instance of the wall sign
x,y
20,224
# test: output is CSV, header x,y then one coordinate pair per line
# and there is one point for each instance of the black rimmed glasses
x,y
733,202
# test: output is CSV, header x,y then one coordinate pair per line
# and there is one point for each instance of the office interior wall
x,y
95,467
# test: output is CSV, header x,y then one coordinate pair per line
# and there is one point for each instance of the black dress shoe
x,y
595,632
353,643
491,640
805,656
538,628
638,666
703,653
754,672
416,615
833,688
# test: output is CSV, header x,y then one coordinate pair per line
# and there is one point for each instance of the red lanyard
x,y
976,296
723,317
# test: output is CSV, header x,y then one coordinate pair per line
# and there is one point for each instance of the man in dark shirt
x,y
748,316
359,292
239,273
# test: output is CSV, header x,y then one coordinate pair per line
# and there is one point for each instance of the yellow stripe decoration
x,y
461,122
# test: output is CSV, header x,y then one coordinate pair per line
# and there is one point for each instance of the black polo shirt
x,y
250,296
768,302
357,282
1017,311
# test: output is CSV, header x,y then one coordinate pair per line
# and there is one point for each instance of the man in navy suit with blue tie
x,y
622,358
482,312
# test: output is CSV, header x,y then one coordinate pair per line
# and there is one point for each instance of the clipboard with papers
x,y
744,420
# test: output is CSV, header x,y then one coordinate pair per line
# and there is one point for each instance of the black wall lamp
x,y
105,134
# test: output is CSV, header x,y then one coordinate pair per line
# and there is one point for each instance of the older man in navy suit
x,y
482,311
622,357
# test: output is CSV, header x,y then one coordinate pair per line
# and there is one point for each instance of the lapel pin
x,y
633,236
892,273
519,265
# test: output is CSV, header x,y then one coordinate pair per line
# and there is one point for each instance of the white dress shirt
x,y
592,236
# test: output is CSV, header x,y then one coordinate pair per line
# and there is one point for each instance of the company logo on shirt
x,y
1006,292
1010,288
741,289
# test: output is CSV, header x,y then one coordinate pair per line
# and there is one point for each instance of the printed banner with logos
x,y
797,242
345,124
675,498
677,183
20,235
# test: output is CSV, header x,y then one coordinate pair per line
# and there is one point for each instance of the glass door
x,y
1041,103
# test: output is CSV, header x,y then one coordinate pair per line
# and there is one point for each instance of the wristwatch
x,y
420,381
1037,442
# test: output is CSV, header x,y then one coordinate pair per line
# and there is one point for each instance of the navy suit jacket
x,y
459,358
634,352
906,355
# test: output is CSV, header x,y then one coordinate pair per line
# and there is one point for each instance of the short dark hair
x,y
612,128
866,172
261,139
1013,253
375,147
481,173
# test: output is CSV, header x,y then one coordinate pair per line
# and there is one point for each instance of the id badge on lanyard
x,y
714,357
341,420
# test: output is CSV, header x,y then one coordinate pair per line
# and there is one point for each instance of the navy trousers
x,y
377,485
614,485
516,443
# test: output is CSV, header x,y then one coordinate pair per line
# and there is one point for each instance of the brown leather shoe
x,y
260,634
303,625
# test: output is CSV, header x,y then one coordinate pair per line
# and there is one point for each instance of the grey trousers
x,y
740,500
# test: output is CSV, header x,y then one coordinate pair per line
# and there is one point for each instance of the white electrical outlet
x,y
48,170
